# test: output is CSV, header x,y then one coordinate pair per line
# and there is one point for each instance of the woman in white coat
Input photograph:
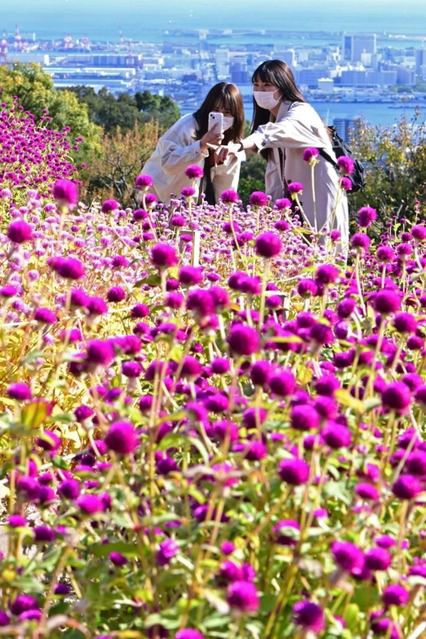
x,y
189,142
284,125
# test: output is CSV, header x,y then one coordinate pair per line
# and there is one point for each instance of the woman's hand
x,y
211,139
220,155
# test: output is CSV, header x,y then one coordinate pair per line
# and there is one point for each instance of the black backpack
x,y
341,148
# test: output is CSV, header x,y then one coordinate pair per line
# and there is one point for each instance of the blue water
x,y
141,19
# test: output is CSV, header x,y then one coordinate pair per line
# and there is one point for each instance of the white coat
x,y
177,149
297,127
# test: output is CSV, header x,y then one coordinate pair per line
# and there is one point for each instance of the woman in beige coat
x,y
284,125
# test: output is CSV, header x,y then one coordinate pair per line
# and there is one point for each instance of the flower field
x,y
211,426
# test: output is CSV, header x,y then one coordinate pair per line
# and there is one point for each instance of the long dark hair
x,y
280,75
229,97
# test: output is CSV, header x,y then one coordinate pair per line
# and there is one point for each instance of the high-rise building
x,y
344,127
421,62
353,46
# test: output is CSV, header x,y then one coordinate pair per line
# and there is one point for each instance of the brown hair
x,y
229,97
280,75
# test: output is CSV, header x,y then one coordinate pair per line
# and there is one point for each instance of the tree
x,y
395,159
112,174
36,93
252,177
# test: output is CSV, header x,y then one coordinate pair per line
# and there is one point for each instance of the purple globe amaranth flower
x,y
243,340
346,164
243,596
99,352
260,372
385,253
190,275
347,185
143,182
19,391
327,274
294,471
22,603
397,397
407,487
309,616
283,204
4,618
367,491
118,559
16,521
304,417
45,316
131,369
69,268
44,534
27,488
294,188
348,557
307,288
366,216
48,440
8,291
90,504
346,307
386,302
377,559
418,232
360,242
19,232
66,192
194,172
229,197
281,383
188,191
258,198
405,323
189,633
116,294
268,245
336,435
69,488
163,256
62,590
220,366
167,550
286,532
109,206
395,595
310,155
122,438
190,367
252,417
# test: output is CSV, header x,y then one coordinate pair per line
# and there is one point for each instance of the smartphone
x,y
216,118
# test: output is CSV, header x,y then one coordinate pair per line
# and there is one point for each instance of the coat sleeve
x,y
296,130
178,149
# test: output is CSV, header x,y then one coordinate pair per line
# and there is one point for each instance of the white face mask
x,y
266,99
228,122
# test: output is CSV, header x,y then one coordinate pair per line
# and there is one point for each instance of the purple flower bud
x,y
377,559
163,256
258,198
418,231
366,216
367,491
188,633
49,440
348,557
395,595
243,340
360,241
16,521
90,504
229,197
286,532
108,206
116,294
22,603
405,323
407,487
310,154
44,534
122,438
336,436
386,302
194,172
268,245
397,397
346,164
327,274
143,182
309,615
242,596
99,352
70,489
294,471
66,192
168,549
304,417
190,275
62,590
307,288
118,559
188,191
19,391
294,188
19,232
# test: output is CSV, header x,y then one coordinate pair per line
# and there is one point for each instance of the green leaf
x,y
345,398
267,603
338,490
35,413
103,550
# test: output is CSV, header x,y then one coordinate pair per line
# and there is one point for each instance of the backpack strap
x,y
328,157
